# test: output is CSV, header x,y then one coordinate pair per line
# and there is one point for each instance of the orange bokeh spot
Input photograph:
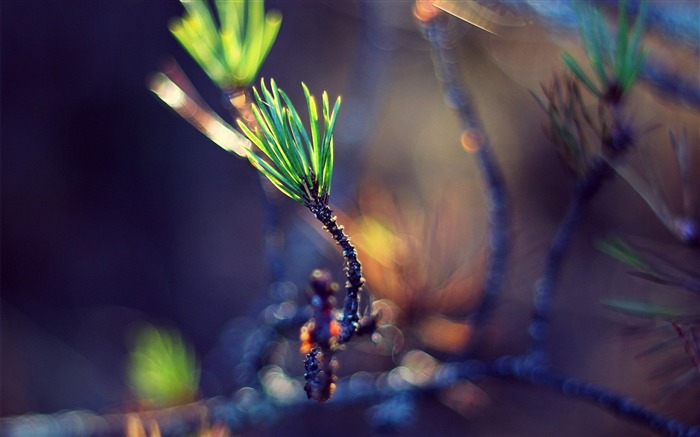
x,y
305,338
335,328
425,11
471,140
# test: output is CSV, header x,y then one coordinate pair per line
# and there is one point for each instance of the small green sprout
x,y
162,368
230,54
616,65
299,164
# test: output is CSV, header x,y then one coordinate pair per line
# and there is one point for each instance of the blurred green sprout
x,y
618,249
644,308
568,120
615,65
299,164
232,53
163,369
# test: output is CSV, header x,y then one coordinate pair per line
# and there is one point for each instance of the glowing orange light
x,y
335,328
425,11
471,140
305,338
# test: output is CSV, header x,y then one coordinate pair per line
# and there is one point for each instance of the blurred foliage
x,y
617,248
678,323
420,262
579,133
299,165
645,308
661,271
615,64
570,124
648,184
163,369
232,53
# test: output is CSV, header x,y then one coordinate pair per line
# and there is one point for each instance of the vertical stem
x,y
474,139
353,270
599,170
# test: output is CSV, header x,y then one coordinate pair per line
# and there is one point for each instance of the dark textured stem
x,y
496,197
586,189
353,270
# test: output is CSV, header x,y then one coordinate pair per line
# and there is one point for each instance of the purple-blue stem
x,y
258,408
439,35
585,190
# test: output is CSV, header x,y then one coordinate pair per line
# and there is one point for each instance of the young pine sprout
x,y
231,54
615,65
163,370
300,165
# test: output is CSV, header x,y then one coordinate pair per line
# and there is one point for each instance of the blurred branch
x,y
670,84
250,407
616,69
676,22
585,190
474,139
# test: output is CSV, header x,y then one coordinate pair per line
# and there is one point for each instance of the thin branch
x,y
599,170
248,411
670,84
474,138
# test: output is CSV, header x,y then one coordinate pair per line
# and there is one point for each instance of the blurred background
x,y
116,212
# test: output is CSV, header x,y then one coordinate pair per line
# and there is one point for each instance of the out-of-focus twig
x,y
250,407
585,190
474,139
676,22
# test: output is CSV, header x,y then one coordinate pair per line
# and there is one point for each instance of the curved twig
x,y
474,138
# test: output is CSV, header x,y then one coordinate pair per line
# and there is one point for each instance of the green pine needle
x,y
578,72
623,252
643,308
230,54
614,65
299,164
